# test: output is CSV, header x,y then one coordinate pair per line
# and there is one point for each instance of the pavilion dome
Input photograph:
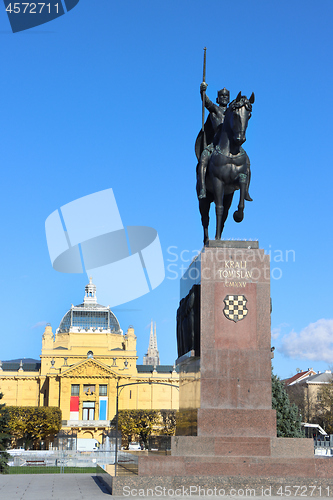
x,y
90,316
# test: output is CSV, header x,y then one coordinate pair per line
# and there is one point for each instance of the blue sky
x,y
108,96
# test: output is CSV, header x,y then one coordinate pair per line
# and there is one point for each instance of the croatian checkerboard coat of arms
x,y
235,307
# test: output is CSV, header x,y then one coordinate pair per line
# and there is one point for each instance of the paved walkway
x,y
79,487
52,486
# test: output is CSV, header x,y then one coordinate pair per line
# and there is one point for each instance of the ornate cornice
x,y
89,368
18,377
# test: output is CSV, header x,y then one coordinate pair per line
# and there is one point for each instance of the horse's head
x,y
238,114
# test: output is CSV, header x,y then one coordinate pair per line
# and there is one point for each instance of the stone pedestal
x,y
229,383
227,428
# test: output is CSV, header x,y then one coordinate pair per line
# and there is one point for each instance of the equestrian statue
x,y
223,165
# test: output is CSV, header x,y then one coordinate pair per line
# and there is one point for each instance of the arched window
x,y
90,354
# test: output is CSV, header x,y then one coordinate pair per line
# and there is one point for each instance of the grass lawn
x,y
51,470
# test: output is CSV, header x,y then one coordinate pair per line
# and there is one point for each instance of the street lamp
x,y
119,389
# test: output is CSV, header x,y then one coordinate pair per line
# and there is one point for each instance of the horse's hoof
x,y
238,216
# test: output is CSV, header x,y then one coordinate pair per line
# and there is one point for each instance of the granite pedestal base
x,y
237,456
231,466
233,486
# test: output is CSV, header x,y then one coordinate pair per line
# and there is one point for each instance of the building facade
x,y
304,389
80,367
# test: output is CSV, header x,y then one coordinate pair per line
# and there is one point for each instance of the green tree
x,y
146,420
29,424
127,424
169,422
137,423
5,437
288,420
298,395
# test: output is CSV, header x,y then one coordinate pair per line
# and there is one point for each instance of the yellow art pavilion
x,y
79,369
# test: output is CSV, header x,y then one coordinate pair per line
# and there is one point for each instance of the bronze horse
x,y
229,166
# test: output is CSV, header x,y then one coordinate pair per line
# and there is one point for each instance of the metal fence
x,y
323,445
68,440
65,461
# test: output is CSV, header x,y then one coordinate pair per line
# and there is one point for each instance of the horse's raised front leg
x,y
239,214
218,188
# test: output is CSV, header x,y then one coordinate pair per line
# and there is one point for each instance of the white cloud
x,y
276,332
314,342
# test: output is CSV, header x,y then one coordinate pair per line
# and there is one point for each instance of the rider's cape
x,y
204,138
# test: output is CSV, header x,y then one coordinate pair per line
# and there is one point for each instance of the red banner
x,y
74,405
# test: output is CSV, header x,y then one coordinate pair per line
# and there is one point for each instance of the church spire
x,y
155,339
152,357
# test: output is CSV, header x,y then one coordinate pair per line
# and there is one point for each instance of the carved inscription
x,y
235,270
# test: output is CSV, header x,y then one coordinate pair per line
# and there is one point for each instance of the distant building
x,y
304,390
312,387
152,357
79,369
299,377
